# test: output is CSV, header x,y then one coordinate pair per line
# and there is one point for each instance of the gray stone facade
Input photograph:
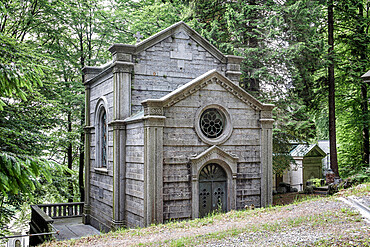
x,y
144,165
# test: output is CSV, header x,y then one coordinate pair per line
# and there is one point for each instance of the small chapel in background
x,y
170,135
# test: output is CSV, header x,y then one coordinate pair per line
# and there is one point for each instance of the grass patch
x,y
359,190
325,219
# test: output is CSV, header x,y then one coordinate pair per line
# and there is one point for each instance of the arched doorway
x,y
212,189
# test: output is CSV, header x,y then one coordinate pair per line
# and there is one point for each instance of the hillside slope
x,y
317,222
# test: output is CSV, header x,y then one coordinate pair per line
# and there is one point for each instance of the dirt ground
x,y
288,198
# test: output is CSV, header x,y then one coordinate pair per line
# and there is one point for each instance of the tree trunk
x,y
253,42
70,160
82,136
364,99
81,165
365,129
331,81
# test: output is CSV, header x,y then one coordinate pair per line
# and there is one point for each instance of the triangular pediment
x,y
202,81
305,150
214,151
316,151
179,30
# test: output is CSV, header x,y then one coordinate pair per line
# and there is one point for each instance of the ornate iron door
x,y
212,189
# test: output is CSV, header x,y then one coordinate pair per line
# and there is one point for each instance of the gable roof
x,y
303,150
171,30
202,81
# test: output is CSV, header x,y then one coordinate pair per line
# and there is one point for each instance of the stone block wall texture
x,y
159,70
101,183
168,65
182,142
134,212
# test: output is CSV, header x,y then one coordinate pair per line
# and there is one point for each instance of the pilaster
x,y
266,159
122,89
122,68
90,72
153,164
87,130
119,173
233,68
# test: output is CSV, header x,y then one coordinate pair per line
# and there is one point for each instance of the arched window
x,y
103,133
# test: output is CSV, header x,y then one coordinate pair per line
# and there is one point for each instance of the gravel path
x,y
340,231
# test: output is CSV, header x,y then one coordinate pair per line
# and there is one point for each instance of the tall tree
x,y
331,82
362,55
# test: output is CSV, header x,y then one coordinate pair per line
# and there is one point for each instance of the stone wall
x,y
181,142
102,88
167,65
134,214
101,182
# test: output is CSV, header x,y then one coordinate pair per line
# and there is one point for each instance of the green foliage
x,y
316,182
20,173
19,69
151,16
21,180
352,39
45,44
363,176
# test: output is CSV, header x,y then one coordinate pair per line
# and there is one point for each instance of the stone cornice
x,y
153,117
266,123
117,124
158,37
233,72
100,75
154,121
234,59
122,67
87,129
195,85
122,48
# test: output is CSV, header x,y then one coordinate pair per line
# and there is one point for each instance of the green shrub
x,y
316,182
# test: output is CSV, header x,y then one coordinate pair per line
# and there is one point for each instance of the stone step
x,y
320,192
323,188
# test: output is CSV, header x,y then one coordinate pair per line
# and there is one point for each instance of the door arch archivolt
x,y
230,184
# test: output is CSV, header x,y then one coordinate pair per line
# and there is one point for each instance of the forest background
x,y
44,44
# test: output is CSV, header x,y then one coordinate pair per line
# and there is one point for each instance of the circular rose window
x,y
212,123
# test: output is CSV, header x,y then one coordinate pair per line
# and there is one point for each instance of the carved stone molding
x,y
205,83
266,115
122,67
188,93
153,108
154,121
118,124
237,94
87,129
215,153
149,110
267,123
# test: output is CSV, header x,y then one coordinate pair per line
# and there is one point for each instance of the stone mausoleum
x,y
170,135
